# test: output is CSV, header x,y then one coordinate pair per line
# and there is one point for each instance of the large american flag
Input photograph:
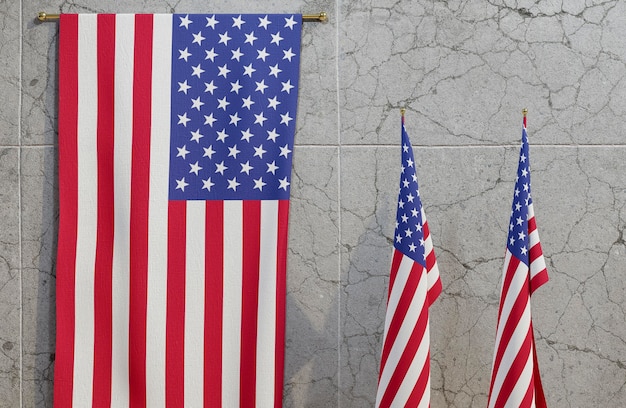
x,y
515,380
414,284
175,145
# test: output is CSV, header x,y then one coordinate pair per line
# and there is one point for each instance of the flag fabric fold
x,y
414,284
175,145
515,379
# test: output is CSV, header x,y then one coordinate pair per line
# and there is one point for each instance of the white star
x,y
181,184
209,120
398,238
184,22
273,102
290,22
284,183
522,158
211,21
234,119
512,241
235,87
220,168
247,102
284,151
287,86
405,148
197,71
196,136
198,38
519,220
208,152
414,212
405,183
524,172
276,38
409,162
272,135
224,38
183,87
207,184
248,70
233,184
523,250
260,86
184,54
210,87
404,218
262,54
223,103
223,71
246,135
222,135
288,54
259,184
259,151
418,227
272,167
182,151
521,236
245,167
260,119
250,38
285,119
408,232
238,22
410,198
233,151
275,70
237,54
412,247
196,103
183,119
264,22
211,54
195,168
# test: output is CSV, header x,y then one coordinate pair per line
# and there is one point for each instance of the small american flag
x,y
515,379
414,284
176,137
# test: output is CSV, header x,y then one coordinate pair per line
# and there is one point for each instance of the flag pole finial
x,y
402,111
524,112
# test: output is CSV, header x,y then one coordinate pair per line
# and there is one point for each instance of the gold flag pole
x,y
307,18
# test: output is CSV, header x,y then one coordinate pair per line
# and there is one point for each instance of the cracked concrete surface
x,y
464,69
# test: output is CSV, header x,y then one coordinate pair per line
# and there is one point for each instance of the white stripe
x,y
417,303
123,130
86,208
266,336
231,318
402,275
158,204
194,304
521,386
433,272
410,379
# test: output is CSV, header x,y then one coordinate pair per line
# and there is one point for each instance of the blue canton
x,y
518,241
234,95
409,234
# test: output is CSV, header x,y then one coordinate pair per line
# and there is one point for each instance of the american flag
x,y
175,145
515,379
414,284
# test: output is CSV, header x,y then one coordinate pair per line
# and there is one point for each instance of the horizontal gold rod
x,y
308,18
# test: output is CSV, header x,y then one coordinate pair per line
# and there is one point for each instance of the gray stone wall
x,y
464,70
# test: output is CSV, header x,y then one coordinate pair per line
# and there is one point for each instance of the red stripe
x,y
105,217
214,303
68,204
540,398
514,372
420,385
399,315
521,300
250,297
395,265
140,181
175,314
404,363
281,295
